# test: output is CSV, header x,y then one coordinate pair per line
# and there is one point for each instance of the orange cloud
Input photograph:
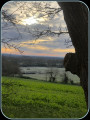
x,y
64,50
55,52
9,50
36,41
42,54
32,42
36,47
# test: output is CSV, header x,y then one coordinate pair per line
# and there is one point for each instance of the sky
x,y
30,18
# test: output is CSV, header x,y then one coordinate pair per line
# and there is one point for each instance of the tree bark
x,y
76,18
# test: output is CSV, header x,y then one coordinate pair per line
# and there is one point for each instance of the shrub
x,y
65,80
10,67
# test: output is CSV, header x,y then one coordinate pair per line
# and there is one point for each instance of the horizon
x,y
7,54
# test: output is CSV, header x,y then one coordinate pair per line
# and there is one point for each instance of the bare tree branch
x,y
47,32
68,43
16,47
38,9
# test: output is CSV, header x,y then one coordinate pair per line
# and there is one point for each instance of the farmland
x,y
39,73
27,98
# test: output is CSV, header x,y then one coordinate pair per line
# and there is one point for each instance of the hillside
x,y
27,98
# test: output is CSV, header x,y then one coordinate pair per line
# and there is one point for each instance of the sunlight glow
x,y
29,21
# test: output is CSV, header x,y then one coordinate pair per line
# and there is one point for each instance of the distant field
x,y
40,74
26,98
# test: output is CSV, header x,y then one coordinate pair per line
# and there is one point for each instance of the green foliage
x,y
10,67
26,98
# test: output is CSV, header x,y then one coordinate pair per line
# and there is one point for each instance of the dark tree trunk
x,y
76,18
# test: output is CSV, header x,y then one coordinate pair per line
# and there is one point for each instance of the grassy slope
x,y
24,98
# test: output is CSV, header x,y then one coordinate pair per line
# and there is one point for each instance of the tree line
x,y
11,64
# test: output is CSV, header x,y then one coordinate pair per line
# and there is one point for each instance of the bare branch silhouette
x,y
38,9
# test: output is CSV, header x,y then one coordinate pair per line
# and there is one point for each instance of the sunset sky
x,y
27,21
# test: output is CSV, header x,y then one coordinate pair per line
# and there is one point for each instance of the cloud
x,y
47,45
10,51
32,42
64,50
36,47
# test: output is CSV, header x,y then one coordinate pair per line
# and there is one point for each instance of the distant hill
x,y
42,61
15,55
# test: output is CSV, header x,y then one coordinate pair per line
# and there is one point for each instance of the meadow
x,y
27,98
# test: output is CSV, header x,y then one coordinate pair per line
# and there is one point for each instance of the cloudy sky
x,y
30,19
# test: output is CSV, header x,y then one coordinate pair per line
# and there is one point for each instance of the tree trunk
x,y
76,18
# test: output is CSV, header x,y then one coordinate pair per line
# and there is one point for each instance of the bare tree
x,y
10,67
51,74
76,17
39,10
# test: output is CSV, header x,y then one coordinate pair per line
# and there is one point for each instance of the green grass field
x,y
26,98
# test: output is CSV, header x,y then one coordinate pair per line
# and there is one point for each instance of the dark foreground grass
x,y
26,98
